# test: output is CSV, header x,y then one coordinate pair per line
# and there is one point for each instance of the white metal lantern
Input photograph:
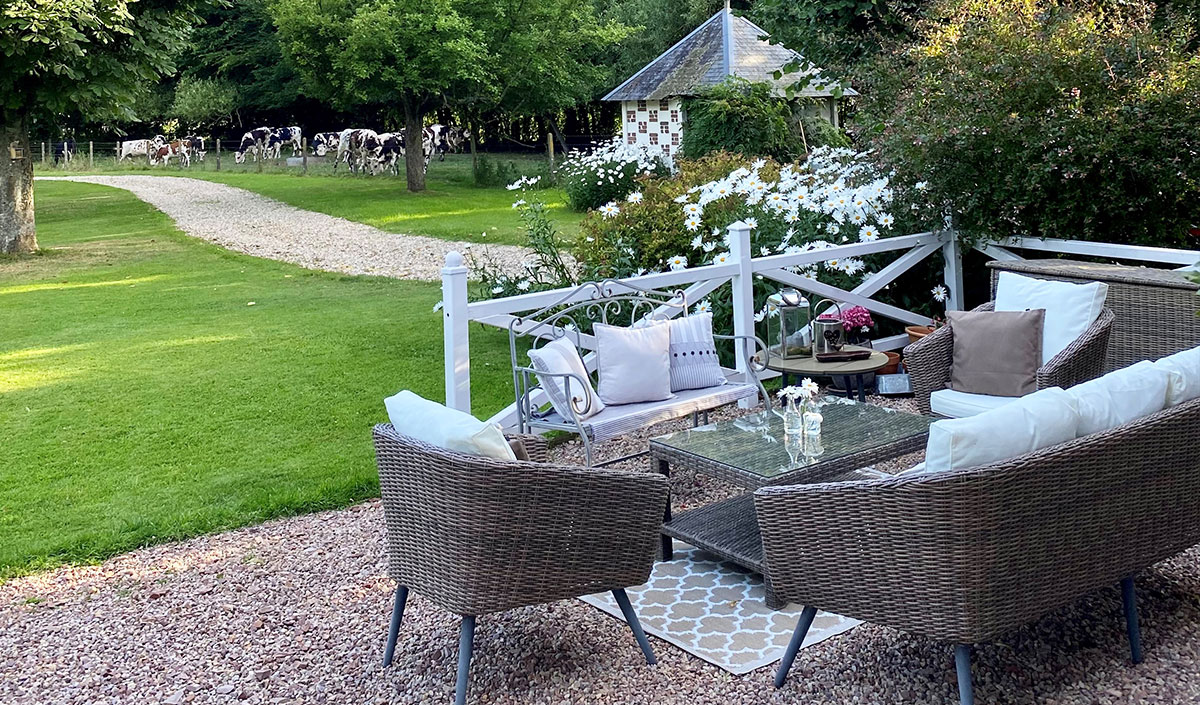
x,y
788,316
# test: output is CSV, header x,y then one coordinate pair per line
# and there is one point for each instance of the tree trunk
x,y
472,125
17,231
414,146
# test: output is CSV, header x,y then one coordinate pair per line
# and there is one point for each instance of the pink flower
x,y
857,317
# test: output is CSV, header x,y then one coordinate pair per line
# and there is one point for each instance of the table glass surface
x,y
756,443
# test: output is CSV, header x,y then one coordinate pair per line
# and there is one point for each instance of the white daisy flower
x,y
524,285
702,307
940,293
752,222
635,197
868,233
677,262
608,210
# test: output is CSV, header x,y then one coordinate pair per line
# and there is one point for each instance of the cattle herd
x,y
361,150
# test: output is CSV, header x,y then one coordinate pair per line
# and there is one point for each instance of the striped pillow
x,y
694,362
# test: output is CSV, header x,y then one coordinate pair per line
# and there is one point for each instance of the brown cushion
x,y
996,352
518,448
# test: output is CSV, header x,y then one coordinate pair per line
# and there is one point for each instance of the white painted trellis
x,y
739,271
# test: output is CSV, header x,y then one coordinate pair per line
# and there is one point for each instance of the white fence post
x,y
743,297
455,328
953,273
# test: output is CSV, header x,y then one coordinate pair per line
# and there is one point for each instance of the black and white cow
x,y
64,151
195,145
390,153
445,138
285,136
325,142
253,142
357,147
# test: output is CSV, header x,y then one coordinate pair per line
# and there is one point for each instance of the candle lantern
x,y
788,316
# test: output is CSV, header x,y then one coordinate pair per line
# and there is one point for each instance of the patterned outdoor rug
x,y
716,611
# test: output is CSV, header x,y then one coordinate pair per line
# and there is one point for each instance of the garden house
x,y
725,45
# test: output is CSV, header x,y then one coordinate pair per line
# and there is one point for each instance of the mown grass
x,y
452,207
154,387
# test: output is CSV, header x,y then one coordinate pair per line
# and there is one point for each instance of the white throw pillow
x,y
1070,308
1184,371
1120,397
429,421
560,356
694,361
1042,419
634,363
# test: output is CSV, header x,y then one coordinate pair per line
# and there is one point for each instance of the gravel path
x,y
256,225
295,611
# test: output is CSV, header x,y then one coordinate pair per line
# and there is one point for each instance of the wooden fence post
x,y
455,331
304,154
953,271
91,155
43,154
743,298
550,148
218,154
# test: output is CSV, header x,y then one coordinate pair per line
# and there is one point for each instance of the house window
x,y
663,105
664,127
631,138
630,115
642,127
653,138
641,105
667,149
675,139
653,116
674,116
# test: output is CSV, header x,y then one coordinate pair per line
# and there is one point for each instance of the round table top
x,y
808,365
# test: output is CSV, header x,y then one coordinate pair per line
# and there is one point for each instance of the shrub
x,y
548,267
744,117
608,173
491,173
1031,117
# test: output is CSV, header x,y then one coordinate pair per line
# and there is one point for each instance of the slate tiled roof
x,y
725,44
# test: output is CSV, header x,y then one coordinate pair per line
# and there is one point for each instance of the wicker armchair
x,y
929,359
966,556
477,535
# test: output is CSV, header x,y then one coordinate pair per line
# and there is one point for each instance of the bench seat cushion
x,y
619,419
954,404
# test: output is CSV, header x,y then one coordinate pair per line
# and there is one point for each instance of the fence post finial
x,y
455,329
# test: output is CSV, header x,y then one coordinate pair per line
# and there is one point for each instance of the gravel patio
x,y
295,611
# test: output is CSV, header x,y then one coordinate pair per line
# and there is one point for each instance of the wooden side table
x,y
851,372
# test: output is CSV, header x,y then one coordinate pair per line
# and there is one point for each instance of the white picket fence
x,y
739,273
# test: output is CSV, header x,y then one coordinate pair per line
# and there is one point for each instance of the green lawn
x,y
452,207
154,387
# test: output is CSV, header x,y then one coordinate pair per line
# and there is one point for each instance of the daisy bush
x,y
547,267
608,173
836,196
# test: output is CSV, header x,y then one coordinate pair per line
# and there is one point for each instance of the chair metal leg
x,y
793,647
1129,600
962,663
466,640
632,620
394,627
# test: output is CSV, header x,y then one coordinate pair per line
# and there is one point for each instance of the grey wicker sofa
x,y
929,359
965,556
619,303
476,535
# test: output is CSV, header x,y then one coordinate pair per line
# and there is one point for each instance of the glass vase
x,y
793,419
811,421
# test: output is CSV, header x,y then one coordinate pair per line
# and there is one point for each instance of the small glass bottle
x,y
812,420
793,419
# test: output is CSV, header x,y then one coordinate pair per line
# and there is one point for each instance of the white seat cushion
x,y
954,404
619,419
1120,397
1042,419
429,421
1184,370
1070,308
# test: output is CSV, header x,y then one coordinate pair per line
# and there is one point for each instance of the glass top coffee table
x,y
752,452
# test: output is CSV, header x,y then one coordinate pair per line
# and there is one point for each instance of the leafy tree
x,y
1037,118
401,54
73,55
203,101
837,34
658,24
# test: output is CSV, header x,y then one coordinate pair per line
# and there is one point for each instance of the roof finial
x,y
727,5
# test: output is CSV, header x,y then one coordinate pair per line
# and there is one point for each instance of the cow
x,y
444,138
282,136
253,142
323,142
389,153
356,147
175,148
195,145
138,148
64,151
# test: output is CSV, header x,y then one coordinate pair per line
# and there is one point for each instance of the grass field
x,y
452,207
156,387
